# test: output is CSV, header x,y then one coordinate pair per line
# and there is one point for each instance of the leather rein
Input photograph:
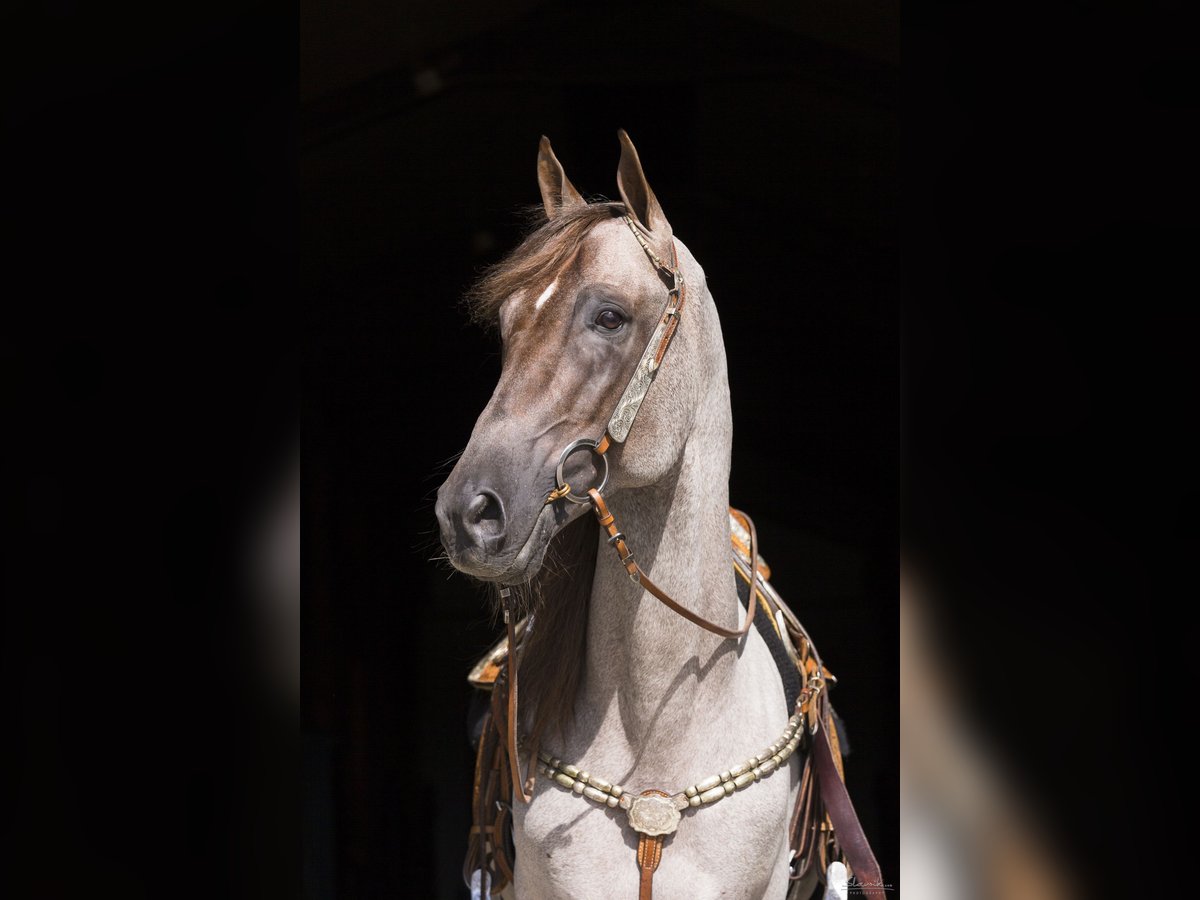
x,y
841,811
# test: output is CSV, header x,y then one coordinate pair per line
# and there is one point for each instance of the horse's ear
x,y
557,190
640,201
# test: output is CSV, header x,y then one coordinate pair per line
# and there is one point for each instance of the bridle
x,y
617,430
630,401
619,425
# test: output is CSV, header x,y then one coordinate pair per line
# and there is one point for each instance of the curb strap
x,y
619,543
649,855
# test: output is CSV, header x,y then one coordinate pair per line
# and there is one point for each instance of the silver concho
x,y
653,815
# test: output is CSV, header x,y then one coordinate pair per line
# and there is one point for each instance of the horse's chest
x,y
569,847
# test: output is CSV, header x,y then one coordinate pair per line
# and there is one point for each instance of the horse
x,y
612,679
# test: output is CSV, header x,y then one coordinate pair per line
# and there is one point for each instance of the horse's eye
x,y
610,319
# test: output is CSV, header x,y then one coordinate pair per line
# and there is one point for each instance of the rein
x,y
655,814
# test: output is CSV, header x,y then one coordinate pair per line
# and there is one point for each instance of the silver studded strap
x,y
643,376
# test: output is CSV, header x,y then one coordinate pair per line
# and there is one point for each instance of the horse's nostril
x,y
486,510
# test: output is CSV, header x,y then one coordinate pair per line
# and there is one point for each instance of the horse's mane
x,y
545,249
555,646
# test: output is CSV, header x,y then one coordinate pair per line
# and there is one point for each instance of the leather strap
x,y
649,855
522,789
619,543
487,842
841,813
672,312
651,359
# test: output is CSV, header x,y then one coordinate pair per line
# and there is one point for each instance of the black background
x,y
1050,365
150,393
1050,388
774,155
149,382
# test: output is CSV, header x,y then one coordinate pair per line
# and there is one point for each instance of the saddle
x,y
823,826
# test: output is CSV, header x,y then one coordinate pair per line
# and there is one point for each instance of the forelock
x,y
540,255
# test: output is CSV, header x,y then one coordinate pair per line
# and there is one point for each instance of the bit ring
x,y
562,461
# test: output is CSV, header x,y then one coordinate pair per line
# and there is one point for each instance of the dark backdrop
x,y
772,145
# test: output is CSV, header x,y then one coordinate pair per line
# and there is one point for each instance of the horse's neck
x,y
661,670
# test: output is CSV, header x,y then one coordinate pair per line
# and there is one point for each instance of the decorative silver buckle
x,y
653,815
